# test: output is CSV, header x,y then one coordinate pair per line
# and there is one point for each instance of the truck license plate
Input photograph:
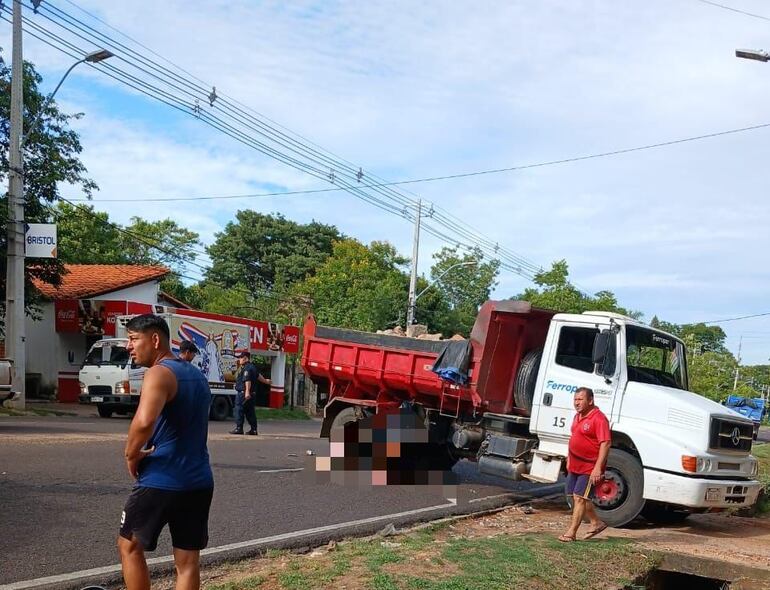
x,y
712,495
96,399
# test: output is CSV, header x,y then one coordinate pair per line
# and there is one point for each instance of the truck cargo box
x,y
382,369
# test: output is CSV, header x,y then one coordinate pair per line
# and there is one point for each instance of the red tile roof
x,y
90,280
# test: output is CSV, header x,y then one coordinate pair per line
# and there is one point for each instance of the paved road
x,y
63,485
764,434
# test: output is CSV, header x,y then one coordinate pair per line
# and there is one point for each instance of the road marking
x,y
112,569
281,470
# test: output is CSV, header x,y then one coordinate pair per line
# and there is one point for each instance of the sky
x,y
407,90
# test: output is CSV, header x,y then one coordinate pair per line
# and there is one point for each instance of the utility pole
x,y
737,367
14,285
413,280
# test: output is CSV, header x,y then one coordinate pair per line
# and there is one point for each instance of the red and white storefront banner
x,y
262,335
92,317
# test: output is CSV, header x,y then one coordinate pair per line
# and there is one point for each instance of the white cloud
x,y
411,90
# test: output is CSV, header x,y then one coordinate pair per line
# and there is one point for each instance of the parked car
x,y
6,368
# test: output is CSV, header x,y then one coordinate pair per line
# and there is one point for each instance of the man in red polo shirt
x,y
589,446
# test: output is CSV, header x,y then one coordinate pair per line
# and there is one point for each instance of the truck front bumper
x,y
695,492
110,399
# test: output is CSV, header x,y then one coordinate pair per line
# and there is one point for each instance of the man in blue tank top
x,y
166,454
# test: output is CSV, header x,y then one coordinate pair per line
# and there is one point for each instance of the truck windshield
x,y
654,357
107,354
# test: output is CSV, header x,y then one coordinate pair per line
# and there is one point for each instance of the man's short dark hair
x,y
244,355
188,346
587,390
148,322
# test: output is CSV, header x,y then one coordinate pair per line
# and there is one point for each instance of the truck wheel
x,y
619,498
220,408
104,412
660,513
526,378
344,416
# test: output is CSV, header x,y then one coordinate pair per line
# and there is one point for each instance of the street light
x,y
92,58
413,302
14,328
755,54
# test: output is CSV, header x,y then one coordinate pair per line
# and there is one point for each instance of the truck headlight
x,y
703,464
754,468
122,388
83,388
696,464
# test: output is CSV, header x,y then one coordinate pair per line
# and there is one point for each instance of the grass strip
x,y
281,414
435,559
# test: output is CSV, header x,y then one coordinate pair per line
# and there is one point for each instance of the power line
x,y
184,105
743,317
731,9
212,197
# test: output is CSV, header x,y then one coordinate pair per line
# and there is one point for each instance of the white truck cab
x,y
109,379
673,451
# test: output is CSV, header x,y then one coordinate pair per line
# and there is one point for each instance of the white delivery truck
x,y
113,383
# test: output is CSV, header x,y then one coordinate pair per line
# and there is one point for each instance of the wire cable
x,y
731,9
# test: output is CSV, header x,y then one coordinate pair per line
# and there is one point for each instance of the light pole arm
x,y
441,276
46,102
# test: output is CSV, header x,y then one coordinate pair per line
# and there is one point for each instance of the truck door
x,y
569,367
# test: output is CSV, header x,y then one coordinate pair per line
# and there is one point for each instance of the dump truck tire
x,y
344,416
618,499
526,379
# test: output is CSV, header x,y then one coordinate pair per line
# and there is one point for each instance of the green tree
x,y
757,377
705,338
464,282
207,296
86,236
712,374
162,242
51,157
269,251
360,287
555,292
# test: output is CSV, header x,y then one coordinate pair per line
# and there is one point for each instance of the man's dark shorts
x,y
578,484
148,510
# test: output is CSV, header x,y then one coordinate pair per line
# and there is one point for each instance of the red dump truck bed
x,y
383,370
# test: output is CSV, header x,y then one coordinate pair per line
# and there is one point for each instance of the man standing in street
x,y
589,446
166,454
246,389
187,350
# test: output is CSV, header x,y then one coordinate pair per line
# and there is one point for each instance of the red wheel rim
x,y
608,492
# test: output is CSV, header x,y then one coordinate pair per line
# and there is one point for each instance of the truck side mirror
x,y
604,352
601,347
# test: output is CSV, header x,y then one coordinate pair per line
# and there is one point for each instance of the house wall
x,y
144,293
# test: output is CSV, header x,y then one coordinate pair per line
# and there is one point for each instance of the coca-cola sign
x,y
66,315
93,317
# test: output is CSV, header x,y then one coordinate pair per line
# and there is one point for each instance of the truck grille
x,y
99,390
727,435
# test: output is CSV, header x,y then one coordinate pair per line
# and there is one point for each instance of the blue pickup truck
x,y
752,408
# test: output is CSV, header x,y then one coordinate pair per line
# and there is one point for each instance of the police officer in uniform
x,y
246,388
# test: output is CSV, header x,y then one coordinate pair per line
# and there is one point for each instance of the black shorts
x,y
148,510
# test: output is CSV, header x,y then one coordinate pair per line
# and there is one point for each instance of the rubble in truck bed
x,y
419,331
